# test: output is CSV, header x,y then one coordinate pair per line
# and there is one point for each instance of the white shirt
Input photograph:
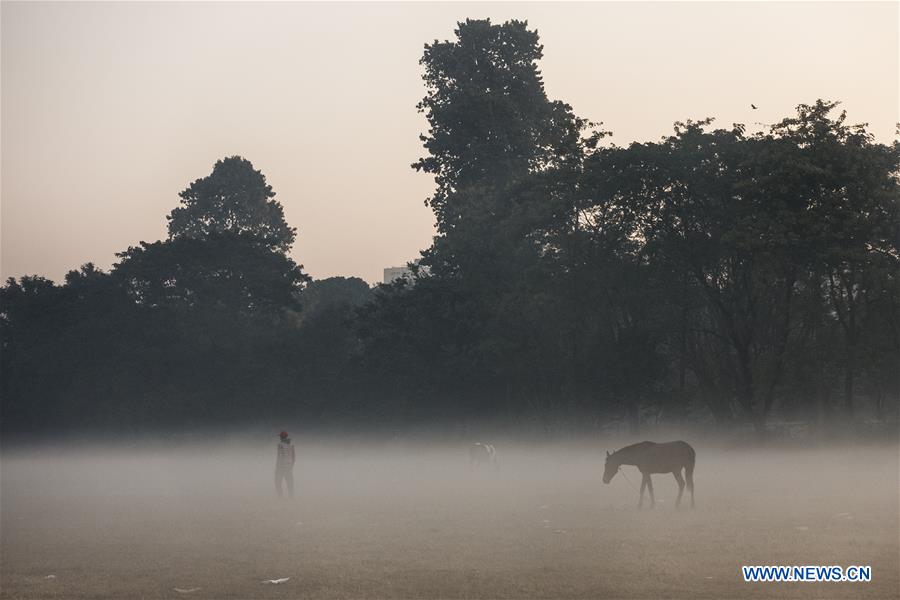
x,y
285,455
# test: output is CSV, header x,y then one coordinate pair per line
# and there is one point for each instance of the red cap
x,y
283,434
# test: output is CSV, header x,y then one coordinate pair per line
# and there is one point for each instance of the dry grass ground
x,y
415,523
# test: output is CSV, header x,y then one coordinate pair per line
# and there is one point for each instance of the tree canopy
x,y
233,199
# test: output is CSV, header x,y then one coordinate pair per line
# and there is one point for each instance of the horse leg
x,y
650,489
680,481
643,485
689,475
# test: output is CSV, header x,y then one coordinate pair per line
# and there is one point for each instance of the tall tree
x,y
234,199
848,188
490,126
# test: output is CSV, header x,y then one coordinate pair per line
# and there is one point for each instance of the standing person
x,y
284,464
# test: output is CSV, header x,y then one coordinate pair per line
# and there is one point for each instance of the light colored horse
x,y
481,454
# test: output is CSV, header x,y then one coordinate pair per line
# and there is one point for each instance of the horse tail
x,y
689,469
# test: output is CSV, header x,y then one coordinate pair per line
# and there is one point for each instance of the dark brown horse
x,y
650,457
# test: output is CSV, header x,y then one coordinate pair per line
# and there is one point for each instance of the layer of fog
x,y
241,469
416,503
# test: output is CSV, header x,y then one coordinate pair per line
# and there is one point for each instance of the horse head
x,y
612,466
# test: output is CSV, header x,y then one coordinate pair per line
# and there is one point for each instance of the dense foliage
x,y
715,275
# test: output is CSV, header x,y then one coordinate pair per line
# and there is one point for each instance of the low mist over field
x,y
412,519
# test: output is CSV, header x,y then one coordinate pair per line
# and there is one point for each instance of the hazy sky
x,y
110,109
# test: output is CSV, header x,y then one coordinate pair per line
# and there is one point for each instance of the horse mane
x,y
633,446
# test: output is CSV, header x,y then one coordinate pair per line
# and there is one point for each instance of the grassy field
x,y
414,522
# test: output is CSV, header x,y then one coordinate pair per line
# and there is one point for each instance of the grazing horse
x,y
649,458
483,454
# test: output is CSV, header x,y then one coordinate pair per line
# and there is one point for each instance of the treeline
x,y
717,275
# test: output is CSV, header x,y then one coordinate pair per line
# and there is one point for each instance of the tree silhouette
x,y
234,199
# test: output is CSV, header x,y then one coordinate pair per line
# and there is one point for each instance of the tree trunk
x,y
634,417
759,423
848,381
720,408
821,410
682,358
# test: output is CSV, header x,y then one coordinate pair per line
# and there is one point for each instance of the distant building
x,y
392,273
395,273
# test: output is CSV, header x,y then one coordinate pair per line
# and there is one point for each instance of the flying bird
x,y
753,106
187,591
276,581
